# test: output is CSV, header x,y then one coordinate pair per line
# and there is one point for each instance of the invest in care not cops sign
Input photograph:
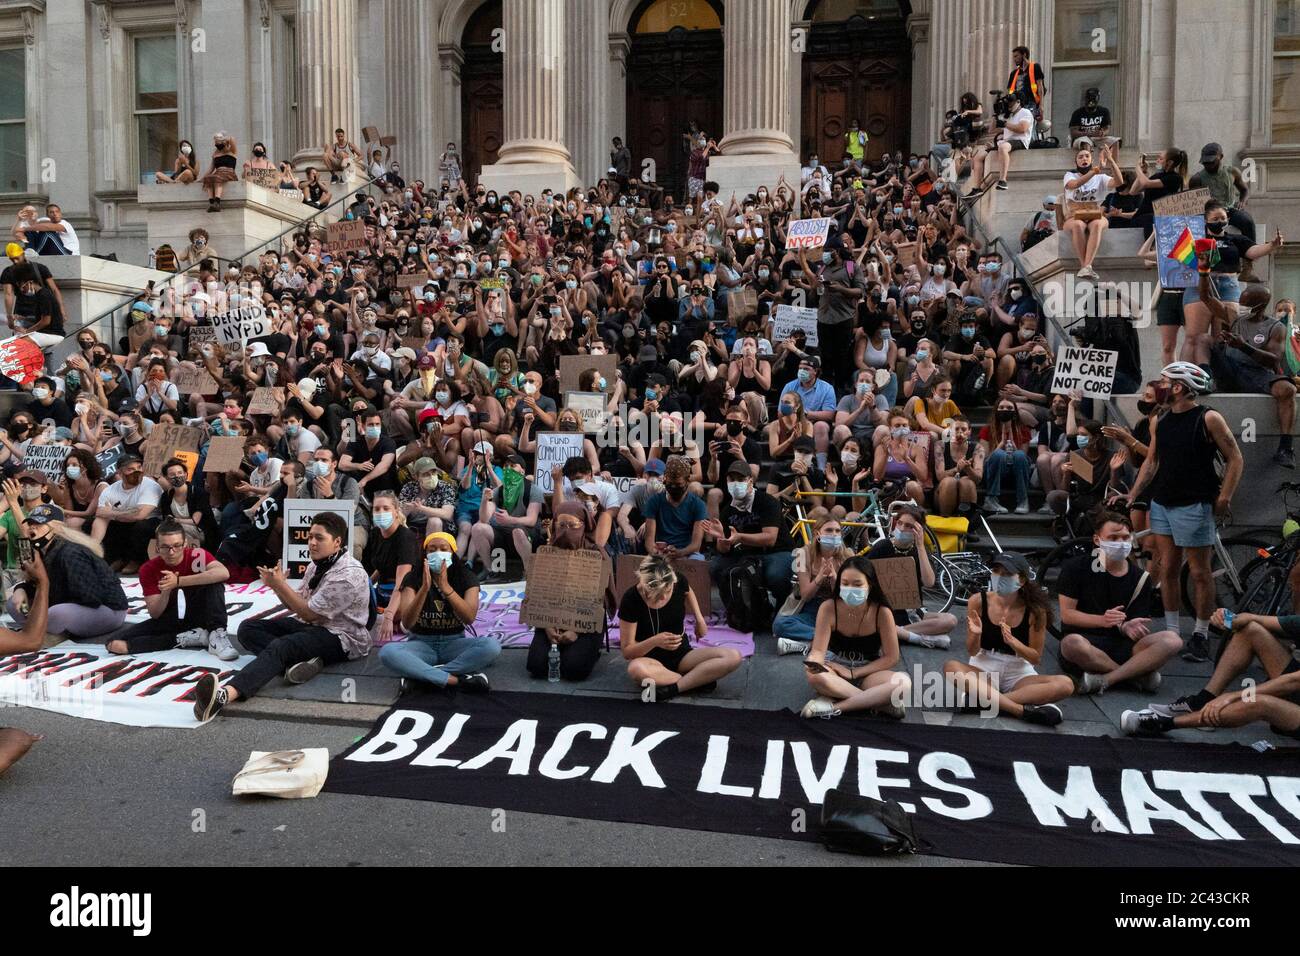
x,y
1091,371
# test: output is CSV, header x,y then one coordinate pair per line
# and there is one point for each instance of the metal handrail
x,y
110,313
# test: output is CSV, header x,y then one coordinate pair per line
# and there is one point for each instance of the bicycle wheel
x,y
970,575
1241,549
1049,570
937,599
1265,587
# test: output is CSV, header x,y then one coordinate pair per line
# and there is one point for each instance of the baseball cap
x,y
484,448
44,514
587,488
406,353
30,475
648,353
655,466
427,361
1210,152
739,469
1012,561
422,465
429,413
308,387
1049,200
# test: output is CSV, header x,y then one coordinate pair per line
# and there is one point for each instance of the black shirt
x,y
1094,118
7,278
385,554
765,513
1098,591
1170,183
437,617
35,307
1232,252
649,622
57,411
361,451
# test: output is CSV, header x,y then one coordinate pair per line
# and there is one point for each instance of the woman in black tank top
x,y
1006,628
855,648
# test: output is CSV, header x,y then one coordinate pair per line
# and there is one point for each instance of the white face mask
x,y
1116,550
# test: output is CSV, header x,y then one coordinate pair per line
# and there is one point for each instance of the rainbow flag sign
x,y
1183,250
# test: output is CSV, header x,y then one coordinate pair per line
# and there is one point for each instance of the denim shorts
x,y
1191,526
1227,284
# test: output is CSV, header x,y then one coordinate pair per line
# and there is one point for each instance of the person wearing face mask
x,y
675,520
850,664
817,400
186,503
1220,266
1088,478
815,566
571,530
840,287
185,169
1004,442
78,493
21,495
440,598
391,552
324,481
1006,631
47,404
960,471
1085,187
859,412
932,408
968,361
127,515
371,458
750,541
1186,494
1108,614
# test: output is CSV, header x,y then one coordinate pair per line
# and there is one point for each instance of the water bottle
x,y
553,664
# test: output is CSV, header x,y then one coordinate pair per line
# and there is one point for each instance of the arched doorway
x,y
858,65
482,92
674,78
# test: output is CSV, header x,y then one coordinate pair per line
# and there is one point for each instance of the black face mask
x,y
1215,228
1146,408
734,427
1006,414
675,492
177,482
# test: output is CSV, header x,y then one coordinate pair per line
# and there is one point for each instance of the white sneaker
x,y
1092,684
1022,508
785,645
195,637
1046,510
820,707
219,644
993,506
935,640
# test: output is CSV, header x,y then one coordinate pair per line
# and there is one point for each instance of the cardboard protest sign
x,y
346,235
555,448
1190,202
238,325
164,441
225,453
1175,215
1081,467
572,366
695,572
590,406
565,590
807,233
47,459
411,280
266,401
790,318
906,254
21,359
191,459
898,579
370,134
298,514
194,380
202,334
742,303
266,178
1092,371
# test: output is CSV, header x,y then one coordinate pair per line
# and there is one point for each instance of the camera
x,y
1002,105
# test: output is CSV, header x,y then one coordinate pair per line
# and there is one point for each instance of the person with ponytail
x,y
572,529
815,565
439,601
855,649
390,554
1006,628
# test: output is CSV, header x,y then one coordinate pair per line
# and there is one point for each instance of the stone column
x,y
326,32
620,46
411,49
535,154
757,147
925,126
587,108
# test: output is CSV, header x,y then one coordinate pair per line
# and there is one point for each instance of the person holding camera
x,y
225,161
1017,129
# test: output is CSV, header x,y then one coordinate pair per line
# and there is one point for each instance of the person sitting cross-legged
x,y
1106,613
329,621
177,570
1254,637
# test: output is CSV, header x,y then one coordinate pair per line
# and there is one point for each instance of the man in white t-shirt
x,y
53,235
1013,136
127,515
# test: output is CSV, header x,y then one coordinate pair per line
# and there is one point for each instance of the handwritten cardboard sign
x,y
555,448
164,441
565,590
193,380
47,459
590,407
1190,202
410,280
266,401
572,367
792,318
347,235
225,453
695,572
238,325
266,178
807,233
899,580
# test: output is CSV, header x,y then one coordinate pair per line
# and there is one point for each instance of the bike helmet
x,y
1193,376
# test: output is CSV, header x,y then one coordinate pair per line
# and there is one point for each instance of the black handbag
x,y
852,823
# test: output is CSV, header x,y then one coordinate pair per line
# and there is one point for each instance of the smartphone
x,y
816,667
25,550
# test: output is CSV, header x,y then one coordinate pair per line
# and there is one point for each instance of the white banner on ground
x,y
1092,371
790,318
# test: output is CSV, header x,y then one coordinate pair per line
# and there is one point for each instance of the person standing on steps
x,y
1187,494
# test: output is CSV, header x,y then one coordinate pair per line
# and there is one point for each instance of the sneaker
x,y
892,711
994,507
1090,684
1147,683
785,645
1087,272
1285,457
1198,649
1002,184
1048,715
195,637
1144,723
935,640
209,698
1183,705
1045,510
708,688
219,644
1022,508
474,683
820,707
304,671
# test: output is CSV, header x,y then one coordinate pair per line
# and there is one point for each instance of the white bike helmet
x,y
1193,376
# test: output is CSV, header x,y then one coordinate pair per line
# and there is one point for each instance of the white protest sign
x,y
555,448
237,325
807,233
298,514
792,318
47,459
590,407
1092,371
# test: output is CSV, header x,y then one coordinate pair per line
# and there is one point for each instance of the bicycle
x,y
1266,579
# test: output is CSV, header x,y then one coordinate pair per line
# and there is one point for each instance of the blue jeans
x,y
999,464
801,626
434,659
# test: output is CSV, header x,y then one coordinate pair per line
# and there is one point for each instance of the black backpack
x,y
745,595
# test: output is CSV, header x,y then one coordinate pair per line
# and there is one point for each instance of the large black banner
x,y
989,795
